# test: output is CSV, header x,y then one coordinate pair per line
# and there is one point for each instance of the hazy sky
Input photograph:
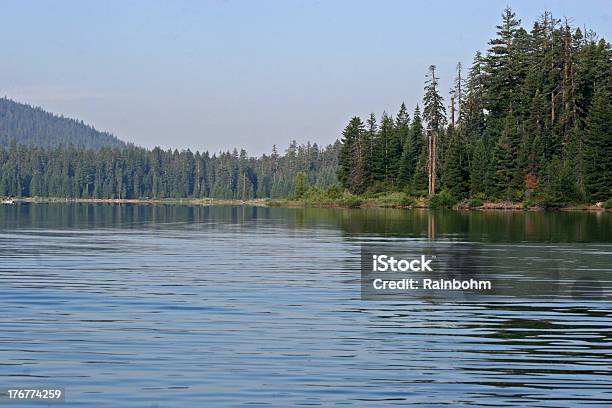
x,y
212,75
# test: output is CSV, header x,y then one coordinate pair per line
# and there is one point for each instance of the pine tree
x,y
384,152
420,179
434,114
396,146
598,146
412,149
369,141
455,172
301,185
504,157
500,63
350,137
478,168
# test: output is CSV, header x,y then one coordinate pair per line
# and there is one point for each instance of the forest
x,y
33,126
530,119
45,155
135,172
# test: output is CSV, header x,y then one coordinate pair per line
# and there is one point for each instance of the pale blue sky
x,y
218,74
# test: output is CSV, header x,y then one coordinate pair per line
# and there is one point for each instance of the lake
x,y
178,306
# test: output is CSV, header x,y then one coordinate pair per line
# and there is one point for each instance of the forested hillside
x,y
530,119
134,172
28,125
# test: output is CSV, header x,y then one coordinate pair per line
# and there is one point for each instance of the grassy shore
x,y
402,200
344,200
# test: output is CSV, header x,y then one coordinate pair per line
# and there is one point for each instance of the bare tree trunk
x,y
452,109
434,160
459,100
552,110
429,161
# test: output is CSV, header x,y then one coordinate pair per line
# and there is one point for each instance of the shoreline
x,y
487,206
287,203
260,202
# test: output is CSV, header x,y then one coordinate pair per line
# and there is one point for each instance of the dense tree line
x,y
532,118
28,125
134,172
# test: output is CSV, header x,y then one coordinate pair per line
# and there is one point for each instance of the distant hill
x,y
30,125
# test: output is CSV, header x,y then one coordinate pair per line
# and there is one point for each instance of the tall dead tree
x,y
458,92
452,109
434,113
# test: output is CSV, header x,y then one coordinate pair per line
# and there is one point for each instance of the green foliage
x,y
349,200
419,179
529,203
535,123
352,158
443,199
392,199
478,168
475,202
534,120
134,172
411,150
455,172
301,185
434,111
598,146
406,200
333,192
607,204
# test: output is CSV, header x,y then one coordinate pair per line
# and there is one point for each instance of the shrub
x,y
333,192
392,199
607,204
443,199
408,190
406,200
474,202
528,203
376,187
349,200
275,203
548,201
481,196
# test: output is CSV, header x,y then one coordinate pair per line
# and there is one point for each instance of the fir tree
x,y
350,135
598,146
455,172
434,114
412,148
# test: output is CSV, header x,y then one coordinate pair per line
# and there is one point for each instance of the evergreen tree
x,y
455,172
478,168
384,149
397,143
412,149
434,114
504,157
598,146
349,153
301,185
501,62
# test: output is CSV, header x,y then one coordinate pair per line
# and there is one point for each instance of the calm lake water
x,y
176,306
